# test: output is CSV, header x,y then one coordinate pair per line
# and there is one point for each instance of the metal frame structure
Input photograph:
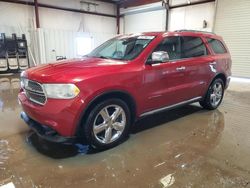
x,y
37,5
119,4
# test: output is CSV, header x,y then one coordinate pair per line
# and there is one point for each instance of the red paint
x,y
151,87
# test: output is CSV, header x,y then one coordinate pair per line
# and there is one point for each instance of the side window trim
x,y
203,39
209,49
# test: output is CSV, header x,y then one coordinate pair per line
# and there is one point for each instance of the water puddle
x,y
4,153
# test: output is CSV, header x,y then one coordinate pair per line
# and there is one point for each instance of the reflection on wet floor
x,y
56,150
140,154
185,147
9,87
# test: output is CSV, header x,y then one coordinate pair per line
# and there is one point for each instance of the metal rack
x,y
13,54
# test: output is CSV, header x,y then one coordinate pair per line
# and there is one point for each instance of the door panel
x,y
182,78
164,85
197,75
196,59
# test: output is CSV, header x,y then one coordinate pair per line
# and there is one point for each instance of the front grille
x,y
34,92
34,86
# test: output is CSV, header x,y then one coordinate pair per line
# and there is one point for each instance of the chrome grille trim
x,y
35,87
35,92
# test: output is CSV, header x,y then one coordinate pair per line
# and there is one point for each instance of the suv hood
x,y
72,70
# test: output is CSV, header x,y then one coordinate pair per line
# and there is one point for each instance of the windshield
x,y
122,48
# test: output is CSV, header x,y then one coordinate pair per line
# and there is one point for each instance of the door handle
x,y
213,63
181,68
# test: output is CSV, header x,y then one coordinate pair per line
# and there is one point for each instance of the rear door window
x,y
217,46
192,47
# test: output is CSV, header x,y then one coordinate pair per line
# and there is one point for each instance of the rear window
x,y
217,46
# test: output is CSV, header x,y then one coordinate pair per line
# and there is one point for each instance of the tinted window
x,y
217,46
170,45
192,47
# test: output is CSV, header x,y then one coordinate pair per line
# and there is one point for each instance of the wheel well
x,y
114,94
221,76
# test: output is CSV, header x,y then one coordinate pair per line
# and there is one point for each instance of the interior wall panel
x,y
59,29
143,22
233,23
192,17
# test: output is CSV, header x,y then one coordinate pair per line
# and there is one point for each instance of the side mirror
x,y
159,57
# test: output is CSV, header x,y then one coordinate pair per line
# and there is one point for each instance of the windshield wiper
x,y
103,57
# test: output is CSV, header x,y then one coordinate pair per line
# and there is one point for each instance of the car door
x,y
197,66
165,83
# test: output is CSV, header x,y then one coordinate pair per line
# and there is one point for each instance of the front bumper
x,y
46,132
63,116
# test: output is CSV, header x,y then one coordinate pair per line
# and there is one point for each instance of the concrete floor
x,y
186,147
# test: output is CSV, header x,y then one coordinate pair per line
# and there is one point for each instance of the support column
x,y
166,4
37,14
118,18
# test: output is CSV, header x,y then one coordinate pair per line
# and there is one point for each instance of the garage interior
x,y
184,147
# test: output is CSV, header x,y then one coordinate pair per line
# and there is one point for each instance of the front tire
x,y
214,95
107,124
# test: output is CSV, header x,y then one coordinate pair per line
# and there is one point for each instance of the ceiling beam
x,y
191,4
108,1
133,3
57,8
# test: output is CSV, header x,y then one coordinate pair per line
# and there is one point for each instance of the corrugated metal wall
x,y
59,43
232,22
63,42
59,29
46,44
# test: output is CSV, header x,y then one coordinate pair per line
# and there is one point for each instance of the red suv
x,y
99,96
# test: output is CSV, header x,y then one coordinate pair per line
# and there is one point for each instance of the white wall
x,y
192,17
58,28
232,23
144,18
148,21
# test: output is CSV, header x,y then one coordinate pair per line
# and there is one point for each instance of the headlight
x,y
24,82
61,91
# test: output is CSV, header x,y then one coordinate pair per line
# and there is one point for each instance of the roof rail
x,y
196,31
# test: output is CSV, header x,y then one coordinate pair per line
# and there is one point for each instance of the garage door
x,y
233,23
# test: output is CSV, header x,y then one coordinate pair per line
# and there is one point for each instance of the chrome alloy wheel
x,y
216,95
109,124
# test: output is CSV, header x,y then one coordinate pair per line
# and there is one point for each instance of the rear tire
x,y
107,124
214,95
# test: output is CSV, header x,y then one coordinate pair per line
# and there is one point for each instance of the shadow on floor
x,y
59,151
159,119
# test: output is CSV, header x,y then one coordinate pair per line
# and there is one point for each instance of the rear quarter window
x,y
217,46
